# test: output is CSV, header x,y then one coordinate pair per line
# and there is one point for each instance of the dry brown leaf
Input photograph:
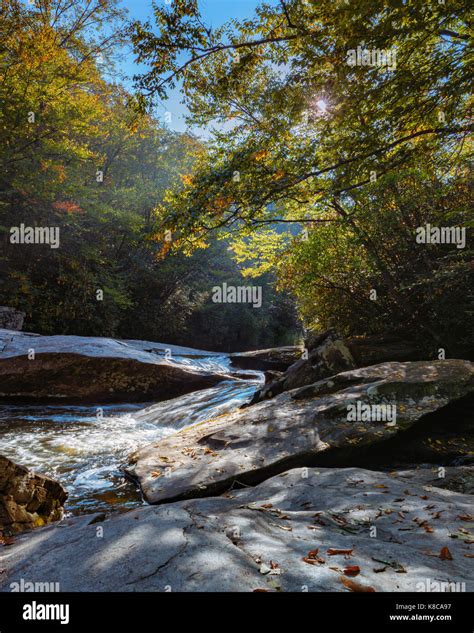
x,y
335,552
312,558
355,586
353,570
445,554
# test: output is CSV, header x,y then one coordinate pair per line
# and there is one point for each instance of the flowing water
x,y
83,447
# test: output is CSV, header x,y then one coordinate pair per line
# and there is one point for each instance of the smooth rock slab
x,y
295,428
257,539
93,369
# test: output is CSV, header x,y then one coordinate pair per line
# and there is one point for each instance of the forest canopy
x,y
336,132
340,129
78,154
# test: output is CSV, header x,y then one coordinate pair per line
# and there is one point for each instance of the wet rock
x,y
27,499
303,530
275,358
92,369
329,356
11,319
302,427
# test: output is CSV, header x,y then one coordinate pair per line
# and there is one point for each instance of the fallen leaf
x,y
335,552
355,586
312,558
445,554
464,517
353,570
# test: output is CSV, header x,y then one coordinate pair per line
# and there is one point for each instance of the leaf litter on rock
x,y
312,558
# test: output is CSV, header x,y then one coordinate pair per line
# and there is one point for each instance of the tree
x,y
79,157
321,106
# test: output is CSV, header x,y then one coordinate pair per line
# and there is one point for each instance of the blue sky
x,y
215,13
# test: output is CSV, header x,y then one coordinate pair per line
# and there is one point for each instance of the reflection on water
x,y
84,446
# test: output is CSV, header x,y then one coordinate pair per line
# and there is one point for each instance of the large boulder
x,y
329,355
90,369
329,422
376,349
11,319
310,530
27,499
372,350
275,358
